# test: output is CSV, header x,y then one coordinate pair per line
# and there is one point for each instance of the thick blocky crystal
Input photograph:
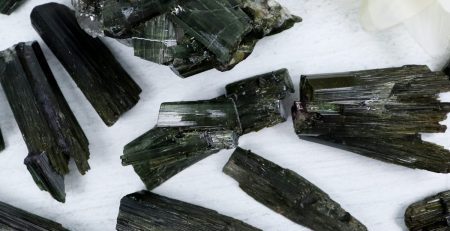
x,y
289,194
101,78
12,218
43,115
377,113
430,214
148,211
189,36
8,6
259,99
186,133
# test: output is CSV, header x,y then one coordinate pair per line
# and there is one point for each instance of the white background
x,y
329,39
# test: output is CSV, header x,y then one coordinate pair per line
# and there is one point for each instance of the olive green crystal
x,y
430,214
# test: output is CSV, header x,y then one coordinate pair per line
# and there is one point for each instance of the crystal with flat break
x,y
186,133
12,218
377,113
189,36
430,214
45,119
100,77
148,211
289,194
8,6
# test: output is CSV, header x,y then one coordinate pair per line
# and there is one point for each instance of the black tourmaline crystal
x,y
289,194
12,219
50,129
259,99
377,113
186,133
429,214
8,6
148,211
104,82
189,36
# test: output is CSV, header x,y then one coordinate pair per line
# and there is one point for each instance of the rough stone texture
x,y
289,194
14,219
45,119
104,82
259,99
430,214
377,113
148,211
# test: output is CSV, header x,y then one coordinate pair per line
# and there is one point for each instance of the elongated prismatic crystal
x,y
431,213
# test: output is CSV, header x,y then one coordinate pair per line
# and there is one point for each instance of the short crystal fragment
x,y
148,211
289,194
377,113
43,115
104,82
12,218
8,6
189,36
45,177
259,99
430,214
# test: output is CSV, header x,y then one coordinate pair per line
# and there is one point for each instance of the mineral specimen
x,y
148,211
104,82
259,99
430,214
377,113
12,218
190,36
287,193
50,130
186,133
8,6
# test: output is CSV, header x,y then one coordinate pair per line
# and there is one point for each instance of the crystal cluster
x,y
430,214
148,211
187,132
8,6
189,36
377,113
49,128
100,77
289,194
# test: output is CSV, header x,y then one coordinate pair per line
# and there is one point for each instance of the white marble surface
x,y
329,39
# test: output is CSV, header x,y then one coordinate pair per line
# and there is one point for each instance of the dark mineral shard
x,y
259,99
189,36
287,193
186,133
429,214
148,211
104,82
8,6
12,218
49,128
377,113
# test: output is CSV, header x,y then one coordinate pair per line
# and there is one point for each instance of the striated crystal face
x,y
377,113
431,213
189,36
8,6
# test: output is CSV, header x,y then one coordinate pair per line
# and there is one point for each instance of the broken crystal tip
x,y
431,213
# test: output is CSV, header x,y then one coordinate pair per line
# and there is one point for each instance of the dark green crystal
x,y
259,99
289,194
8,6
429,214
377,113
45,119
186,133
100,77
12,219
148,211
